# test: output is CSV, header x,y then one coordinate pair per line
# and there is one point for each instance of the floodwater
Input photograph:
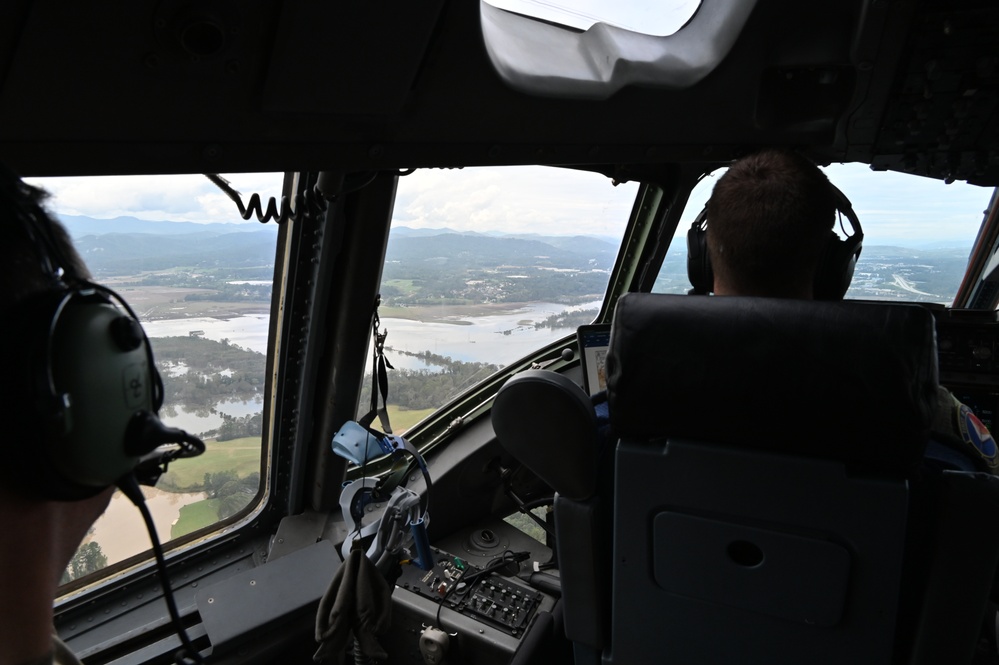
x,y
194,423
248,331
121,532
496,338
499,339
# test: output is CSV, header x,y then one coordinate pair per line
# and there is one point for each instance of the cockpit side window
x,y
200,280
918,234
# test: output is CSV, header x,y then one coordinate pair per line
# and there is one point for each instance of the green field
x,y
188,475
194,516
403,419
404,285
243,455
444,313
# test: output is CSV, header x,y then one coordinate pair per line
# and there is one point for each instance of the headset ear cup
x,y
38,412
834,273
699,270
85,386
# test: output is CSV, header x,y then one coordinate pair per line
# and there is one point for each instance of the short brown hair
x,y
768,220
28,231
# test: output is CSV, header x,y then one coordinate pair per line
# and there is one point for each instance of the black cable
x,y
309,201
188,654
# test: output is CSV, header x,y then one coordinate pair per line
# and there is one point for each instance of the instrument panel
x,y
487,612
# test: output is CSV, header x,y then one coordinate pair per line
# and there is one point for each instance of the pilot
x,y
769,219
39,537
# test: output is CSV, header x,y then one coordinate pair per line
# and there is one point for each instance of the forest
x,y
570,319
200,373
459,269
426,389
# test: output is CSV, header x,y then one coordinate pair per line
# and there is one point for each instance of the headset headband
x,y
834,271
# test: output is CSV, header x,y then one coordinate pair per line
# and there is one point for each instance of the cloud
x,y
189,198
523,199
893,208
904,208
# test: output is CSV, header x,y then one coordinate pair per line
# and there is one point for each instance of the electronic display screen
x,y
593,340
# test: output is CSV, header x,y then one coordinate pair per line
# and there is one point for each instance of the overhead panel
x,y
348,58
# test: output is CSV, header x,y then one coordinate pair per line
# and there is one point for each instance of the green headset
x,y
86,392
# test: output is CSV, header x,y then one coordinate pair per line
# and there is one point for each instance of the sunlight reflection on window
x,y
660,18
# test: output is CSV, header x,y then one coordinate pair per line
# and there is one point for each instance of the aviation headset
x,y
833,273
86,392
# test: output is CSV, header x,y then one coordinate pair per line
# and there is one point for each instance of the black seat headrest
x,y
855,382
548,424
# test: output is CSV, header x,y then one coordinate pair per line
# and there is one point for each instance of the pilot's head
x,y
769,218
22,272
24,275
47,532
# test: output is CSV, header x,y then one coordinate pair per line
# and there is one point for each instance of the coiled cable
x,y
309,202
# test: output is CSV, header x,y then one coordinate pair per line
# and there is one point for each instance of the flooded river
x,y
121,532
499,339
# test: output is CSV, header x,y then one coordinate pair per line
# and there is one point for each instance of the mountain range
x,y
126,245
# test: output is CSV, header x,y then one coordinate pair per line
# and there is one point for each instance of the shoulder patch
x,y
976,434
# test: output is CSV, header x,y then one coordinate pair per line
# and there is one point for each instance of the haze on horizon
x,y
893,208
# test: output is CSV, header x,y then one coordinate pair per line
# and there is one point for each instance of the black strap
x,y
379,375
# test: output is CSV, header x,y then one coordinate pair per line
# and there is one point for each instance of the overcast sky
x,y
896,208
654,18
893,208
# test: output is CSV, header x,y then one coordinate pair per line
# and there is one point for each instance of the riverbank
x,y
458,314
120,531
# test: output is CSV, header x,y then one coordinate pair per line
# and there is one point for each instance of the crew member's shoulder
x,y
957,426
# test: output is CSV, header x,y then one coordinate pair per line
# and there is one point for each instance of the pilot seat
x,y
761,496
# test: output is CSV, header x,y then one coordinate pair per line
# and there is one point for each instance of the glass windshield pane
x,y
485,266
199,278
918,234
658,19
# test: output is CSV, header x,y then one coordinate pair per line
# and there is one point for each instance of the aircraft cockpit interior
x,y
427,351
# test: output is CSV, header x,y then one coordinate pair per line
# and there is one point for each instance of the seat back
x,y
765,499
547,423
762,479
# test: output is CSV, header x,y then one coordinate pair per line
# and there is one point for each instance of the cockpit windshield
x,y
918,234
485,266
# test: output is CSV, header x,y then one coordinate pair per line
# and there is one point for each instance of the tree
x,y
88,559
237,494
231,492
214,482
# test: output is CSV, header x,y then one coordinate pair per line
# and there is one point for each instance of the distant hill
x,y
465,251
407,232
79,226
935,273
130,253
126,246
944,251
558,241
